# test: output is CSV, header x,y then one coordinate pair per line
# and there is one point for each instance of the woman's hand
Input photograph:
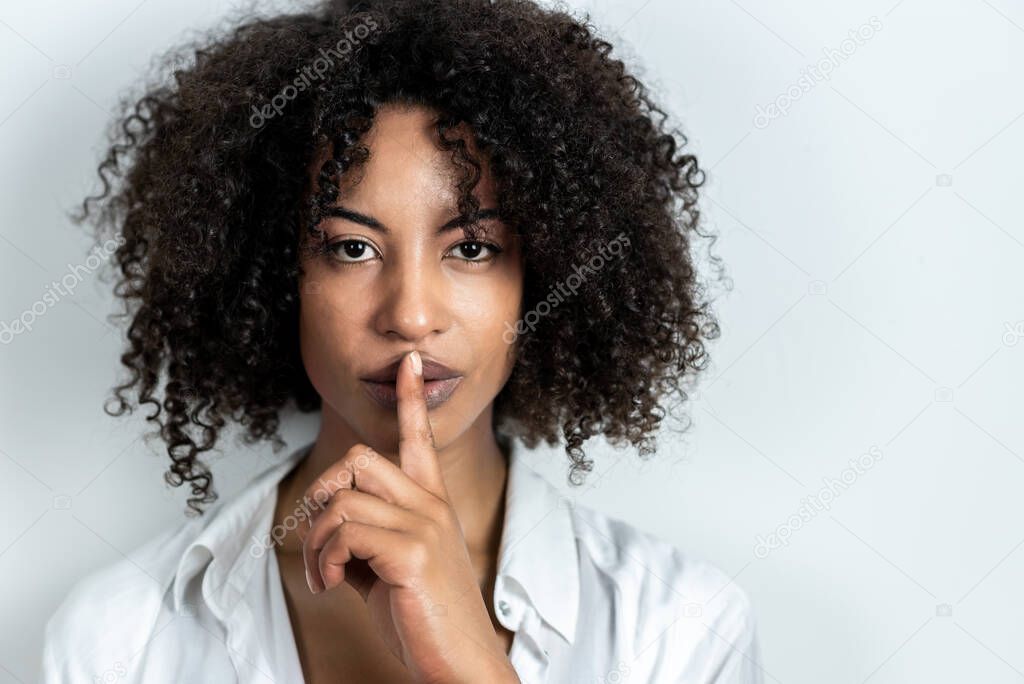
x,y
390,532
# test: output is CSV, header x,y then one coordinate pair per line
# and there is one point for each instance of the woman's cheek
x,y
322,341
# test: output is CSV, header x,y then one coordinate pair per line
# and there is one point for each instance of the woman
x,y
442,226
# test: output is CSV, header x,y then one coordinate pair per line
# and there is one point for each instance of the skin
x,y
407,558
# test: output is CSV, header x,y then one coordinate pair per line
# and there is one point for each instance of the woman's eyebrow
x,y
370,222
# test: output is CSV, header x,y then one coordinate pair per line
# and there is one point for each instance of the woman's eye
x,y
472,250
352,251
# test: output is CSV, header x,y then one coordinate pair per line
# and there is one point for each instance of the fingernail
x,y
417,365
309,581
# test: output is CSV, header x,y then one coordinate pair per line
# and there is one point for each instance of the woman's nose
x,y
415,304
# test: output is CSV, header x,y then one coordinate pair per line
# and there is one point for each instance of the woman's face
x,y
406,284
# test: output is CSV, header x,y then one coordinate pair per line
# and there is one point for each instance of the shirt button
x,y
503,607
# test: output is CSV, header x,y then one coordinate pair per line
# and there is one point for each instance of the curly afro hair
x,y
205,186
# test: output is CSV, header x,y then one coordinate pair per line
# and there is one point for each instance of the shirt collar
x,y
537,548
232,535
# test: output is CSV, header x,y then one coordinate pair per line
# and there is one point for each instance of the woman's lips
x,y
436,392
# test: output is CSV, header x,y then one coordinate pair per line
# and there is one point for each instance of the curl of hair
x,y
206,181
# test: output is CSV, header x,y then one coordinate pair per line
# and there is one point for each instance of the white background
x,y
875,238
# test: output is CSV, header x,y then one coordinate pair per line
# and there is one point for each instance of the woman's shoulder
x,y
118,604
113,613
629,554
663,584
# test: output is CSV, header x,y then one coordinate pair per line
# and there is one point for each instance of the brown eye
x,y
352,251
471,251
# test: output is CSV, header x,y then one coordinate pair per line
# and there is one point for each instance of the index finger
x,y
416,454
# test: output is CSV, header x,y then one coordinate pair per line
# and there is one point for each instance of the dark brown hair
x,y
205,179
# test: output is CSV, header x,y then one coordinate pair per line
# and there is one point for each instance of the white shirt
x,y
590,599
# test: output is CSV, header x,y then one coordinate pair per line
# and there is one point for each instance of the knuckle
x,y
359,455
340,505
417,554
344,531
318,497
420,434
356,460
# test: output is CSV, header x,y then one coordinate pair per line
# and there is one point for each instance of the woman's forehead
x,y
406,160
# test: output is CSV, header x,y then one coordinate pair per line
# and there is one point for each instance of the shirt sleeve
x,y
57,669
742,662
48,673
73,641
